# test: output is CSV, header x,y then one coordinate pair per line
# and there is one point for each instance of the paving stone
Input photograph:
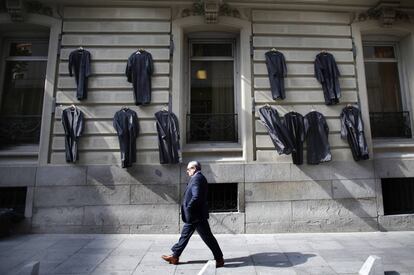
x,y
346,266
158,270
119,263
326,245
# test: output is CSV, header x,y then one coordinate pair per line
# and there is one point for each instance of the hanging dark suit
x,y
126,125
168,137
276,68
296,128
317,143
73,122
352,128
139,70
277,130
327,73
79,61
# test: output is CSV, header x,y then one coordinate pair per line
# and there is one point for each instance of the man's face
x,y
191,170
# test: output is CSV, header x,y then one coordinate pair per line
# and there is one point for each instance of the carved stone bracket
x,y
386,12
211,9
18,8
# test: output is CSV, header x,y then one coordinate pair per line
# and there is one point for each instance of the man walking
x,y
194,213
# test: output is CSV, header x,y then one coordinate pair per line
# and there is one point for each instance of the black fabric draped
x,y
327,73
168,137
139,70
295,125
352,128
73,123
276,68
317,142
277,130
126,125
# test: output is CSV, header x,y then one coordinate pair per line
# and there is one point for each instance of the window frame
x,y
404,88
216,38
5,50
7,58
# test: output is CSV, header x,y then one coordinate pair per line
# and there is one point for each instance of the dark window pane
x,y
23,88
217,49
21,102
398,195
212,87
212,115
383,87
379,52
38,48
222,197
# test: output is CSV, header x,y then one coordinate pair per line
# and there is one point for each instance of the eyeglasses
x,y
188,169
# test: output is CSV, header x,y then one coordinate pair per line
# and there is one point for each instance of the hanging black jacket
x,y
277,130
72,121
317,132
327,73
168,137
296,127
276,68
352,128
126,125
79,60
139,70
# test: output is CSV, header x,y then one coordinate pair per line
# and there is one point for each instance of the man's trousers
x,y
203,229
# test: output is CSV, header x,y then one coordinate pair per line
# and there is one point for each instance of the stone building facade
x,y
273,195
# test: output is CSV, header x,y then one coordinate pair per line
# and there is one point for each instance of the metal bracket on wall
x,y
251,45
53,105
354,50
253,105
171,46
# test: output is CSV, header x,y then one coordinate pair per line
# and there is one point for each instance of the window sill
x,y
212,147
393,143
20,151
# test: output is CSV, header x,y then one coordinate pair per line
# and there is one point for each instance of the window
x,y
388,116
211,115
398,195
13,198
222,197
22,93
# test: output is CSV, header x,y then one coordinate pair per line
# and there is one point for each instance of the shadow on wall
x,y
355,189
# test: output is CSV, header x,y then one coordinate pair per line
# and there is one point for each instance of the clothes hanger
x,y
80,48
273,49
267,105
313,108
164,109
139,51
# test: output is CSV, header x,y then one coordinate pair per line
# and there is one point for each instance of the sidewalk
x,y
321,253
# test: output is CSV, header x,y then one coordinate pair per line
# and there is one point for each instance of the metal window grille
x,y
212,127
20,129
222,197
398,195
390,124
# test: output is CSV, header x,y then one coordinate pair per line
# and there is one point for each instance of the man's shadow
x,y
271,259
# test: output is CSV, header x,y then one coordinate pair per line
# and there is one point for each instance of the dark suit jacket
x,y
194,207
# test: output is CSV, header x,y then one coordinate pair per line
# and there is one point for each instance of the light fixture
x,y
201,74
